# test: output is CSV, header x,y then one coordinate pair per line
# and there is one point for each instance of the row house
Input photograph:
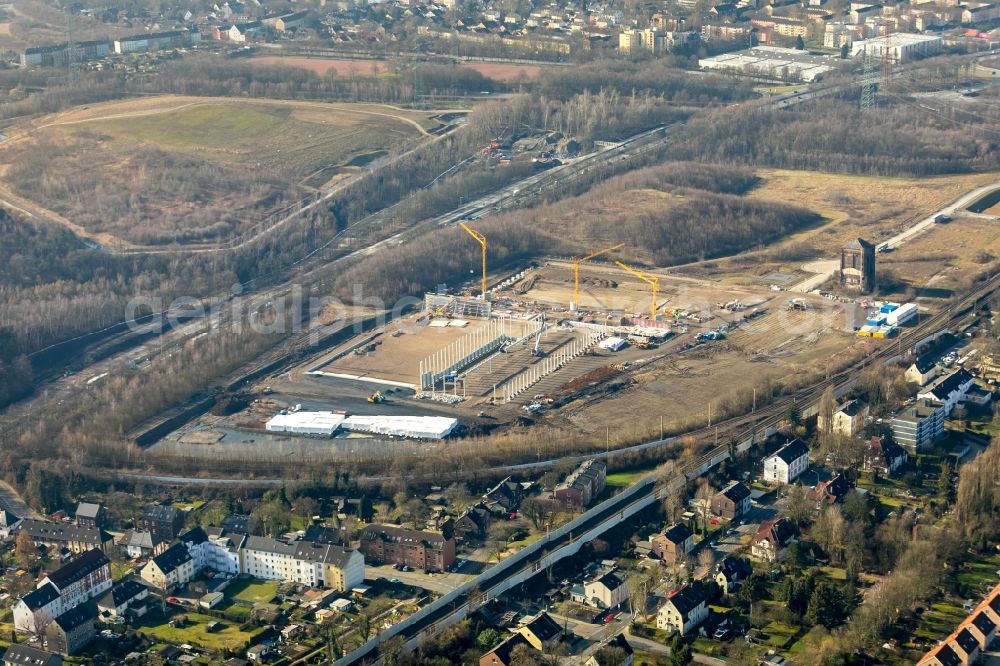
x,y
75,538
583,484
398,545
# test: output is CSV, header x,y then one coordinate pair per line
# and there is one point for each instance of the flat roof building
x,y
772,62
901,46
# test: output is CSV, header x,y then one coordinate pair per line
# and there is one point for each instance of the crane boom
x,y
653,282
482,242
576,269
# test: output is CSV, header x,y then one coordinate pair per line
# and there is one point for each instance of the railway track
x,y
644,493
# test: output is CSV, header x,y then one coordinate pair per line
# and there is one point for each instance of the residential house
x,y
541,631
236,522
787,463
19,654
78,581
398,545
949,391
34,611
165,522
884,456
72,630
291,21
215,548
303,562
731,572
473,523
674,543
731,502
120,598
9,523
91,514
978,396
584,484
921,371
771,538
172,568
139,543
916,428
606,591
505,497
501,654
75,538
966,646
239,33
831,491
848,419
606,654
942,655
685,609
973,636
983,628
81,579
322,534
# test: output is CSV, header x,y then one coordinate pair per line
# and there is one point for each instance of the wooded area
x,y
657,212
902,139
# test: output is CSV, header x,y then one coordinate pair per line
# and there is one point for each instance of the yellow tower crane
x,y
576,269
482,242
654,282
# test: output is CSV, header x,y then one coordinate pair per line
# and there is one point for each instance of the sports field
x,y
184,169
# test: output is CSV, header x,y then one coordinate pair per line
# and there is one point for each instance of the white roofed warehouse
x,y
306,423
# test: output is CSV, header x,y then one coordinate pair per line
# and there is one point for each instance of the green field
x,y
195,632
290,140
624,479
252,592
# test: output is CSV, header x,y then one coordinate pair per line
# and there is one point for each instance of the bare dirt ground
x,y
323,66
504,72
873,208
610,288
947,255
401,345
680,388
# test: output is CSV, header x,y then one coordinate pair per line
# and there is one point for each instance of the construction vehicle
x,y
797,304
376,398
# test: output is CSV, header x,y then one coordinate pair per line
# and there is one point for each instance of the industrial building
x,y
900,47
419,427
306,423
325,424
772,62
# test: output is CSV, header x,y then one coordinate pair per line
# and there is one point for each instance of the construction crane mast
x,y
576,269
482,242
653,282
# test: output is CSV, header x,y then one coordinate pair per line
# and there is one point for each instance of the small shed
x,y
211,600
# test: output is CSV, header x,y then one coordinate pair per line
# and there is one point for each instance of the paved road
x,y
11,501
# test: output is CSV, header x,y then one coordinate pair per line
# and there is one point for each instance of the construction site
x,y
590,342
